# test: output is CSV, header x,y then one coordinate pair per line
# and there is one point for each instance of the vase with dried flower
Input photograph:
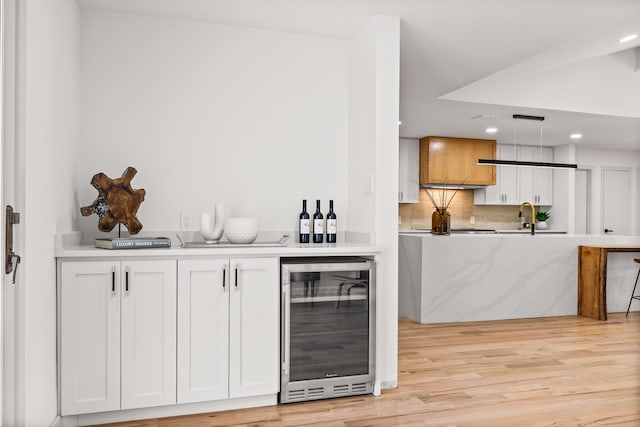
x,y
441,217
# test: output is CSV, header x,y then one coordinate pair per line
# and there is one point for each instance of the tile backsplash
x,y
418,215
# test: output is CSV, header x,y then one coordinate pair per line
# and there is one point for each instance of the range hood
x,y
453,186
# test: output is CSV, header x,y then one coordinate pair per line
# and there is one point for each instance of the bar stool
x,y
633,293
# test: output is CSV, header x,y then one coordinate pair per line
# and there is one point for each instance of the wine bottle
x,y
332,224
304,223
318,224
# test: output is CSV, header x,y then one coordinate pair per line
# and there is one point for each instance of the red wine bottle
x,y
304,223
318,224
332,224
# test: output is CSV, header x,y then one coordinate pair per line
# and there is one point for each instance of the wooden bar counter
x,y
592,279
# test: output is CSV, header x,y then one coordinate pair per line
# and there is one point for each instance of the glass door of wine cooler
x,y
327,324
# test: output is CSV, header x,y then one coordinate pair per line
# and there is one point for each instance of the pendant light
x,y
526,163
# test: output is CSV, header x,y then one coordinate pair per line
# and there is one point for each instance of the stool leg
x,y
633,293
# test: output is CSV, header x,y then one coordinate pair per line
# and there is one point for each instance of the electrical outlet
x,y
472,220
188,222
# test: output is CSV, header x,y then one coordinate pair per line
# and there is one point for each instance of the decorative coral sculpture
x,y
117,202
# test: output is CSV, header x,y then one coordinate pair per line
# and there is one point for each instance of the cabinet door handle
x,y
113,280
126,280
224,277
236,274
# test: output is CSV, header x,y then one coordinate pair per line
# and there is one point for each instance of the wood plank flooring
x,y
557,371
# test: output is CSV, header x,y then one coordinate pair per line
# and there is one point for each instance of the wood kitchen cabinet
x,y
117,335
228,328
445,160
409,186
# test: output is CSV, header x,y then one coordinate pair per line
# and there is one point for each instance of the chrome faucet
x,y
533,215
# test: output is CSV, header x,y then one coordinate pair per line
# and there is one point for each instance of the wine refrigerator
x,y
328,327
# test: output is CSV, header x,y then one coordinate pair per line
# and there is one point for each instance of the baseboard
x,y
57,422
168,411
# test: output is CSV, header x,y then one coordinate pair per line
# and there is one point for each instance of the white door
x,y
11,351
254,337
616,201
583,201
90,337
148,333
203,330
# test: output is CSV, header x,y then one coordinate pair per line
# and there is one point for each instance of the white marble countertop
x,y
509,231
77,245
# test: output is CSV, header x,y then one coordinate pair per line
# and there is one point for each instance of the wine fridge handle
x,y
286,302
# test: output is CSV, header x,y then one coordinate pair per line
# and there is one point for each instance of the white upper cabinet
x,y
535,184
409,189
505,192
517,184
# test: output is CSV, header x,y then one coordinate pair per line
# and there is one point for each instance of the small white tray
x,y
226,244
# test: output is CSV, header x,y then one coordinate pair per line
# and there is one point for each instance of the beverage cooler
x,y
328,327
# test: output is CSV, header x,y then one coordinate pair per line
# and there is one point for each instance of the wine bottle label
x,y
332,226
318,226
304,226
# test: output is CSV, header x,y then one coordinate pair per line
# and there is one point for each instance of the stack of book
x,y
133,243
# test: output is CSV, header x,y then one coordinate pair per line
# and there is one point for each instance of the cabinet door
x,y
526,188
506,188
409,189
203,330
508,179
148,333
445,160
254,319
89,337
543,178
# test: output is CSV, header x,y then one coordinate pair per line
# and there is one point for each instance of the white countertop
x,y
509,231
74,245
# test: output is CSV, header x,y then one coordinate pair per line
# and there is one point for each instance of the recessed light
x,y
575,136
492,130
399,122
628,38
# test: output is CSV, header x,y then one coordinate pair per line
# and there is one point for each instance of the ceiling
x,y
469,64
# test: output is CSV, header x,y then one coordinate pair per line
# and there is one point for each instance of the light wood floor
x,y
560,371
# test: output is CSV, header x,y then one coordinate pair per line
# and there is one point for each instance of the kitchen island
x,y
473,277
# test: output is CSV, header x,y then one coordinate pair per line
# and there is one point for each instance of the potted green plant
x,y
541,220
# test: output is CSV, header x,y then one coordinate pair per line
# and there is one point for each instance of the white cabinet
x,y
118,335
535,184
228,328
409,154
148,334
505,192
517,184
90,337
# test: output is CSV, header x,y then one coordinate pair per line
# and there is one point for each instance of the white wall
x,y
374,78
47,155
596,160
209,113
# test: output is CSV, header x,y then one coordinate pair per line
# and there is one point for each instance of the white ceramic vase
x,y
541,225
211,226
241,230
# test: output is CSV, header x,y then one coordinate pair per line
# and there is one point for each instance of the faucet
x,y
533,215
